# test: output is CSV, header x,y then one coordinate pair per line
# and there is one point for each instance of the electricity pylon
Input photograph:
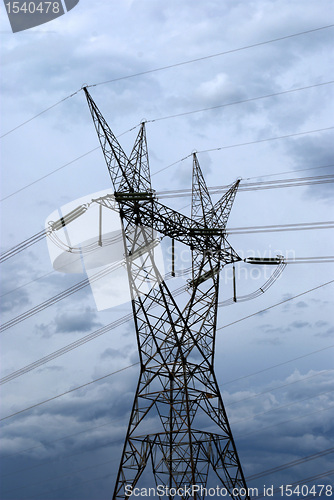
x,y
178,425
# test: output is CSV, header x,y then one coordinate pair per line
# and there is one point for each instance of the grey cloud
x,y
314,152
80,321
14,296
327,333
300,324
321,323
112,353
301,304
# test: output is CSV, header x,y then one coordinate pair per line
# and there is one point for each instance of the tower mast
x,y
178,426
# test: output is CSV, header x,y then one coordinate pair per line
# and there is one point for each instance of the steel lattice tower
x,y
177,393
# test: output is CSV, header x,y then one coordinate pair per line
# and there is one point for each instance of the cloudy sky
x,y
275,368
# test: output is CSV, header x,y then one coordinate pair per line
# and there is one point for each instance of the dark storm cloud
x,y
299,324
13,301
269,341
301,304
13,295
308,152
321,323
112,353
327,333
81,321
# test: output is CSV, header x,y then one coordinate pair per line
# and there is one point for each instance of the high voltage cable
x,y
280,407
254,186
174,163
232,403
60,296
113,325
101,274
289,172
50,173
60,168
264,140
242,101
39,114
212,56
288,465
275,305
169,67
263,473
268,139
66,293
108,375
242,436
105,476
22,246
281,227
303,481
68,392
273,470
279,364
224,383
227,405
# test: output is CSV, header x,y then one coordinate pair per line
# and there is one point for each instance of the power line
x,y
22,246
289,171
298,226
60,168
301,226
60,296
242,436
288,465
275,305
242,101
225,326
265,140
231,51
279,364
114,325
174,163
50,173
253,186
169,67
302,481
240,144
266,391
280,407
224,383
273,470
101,274
68,392
39,114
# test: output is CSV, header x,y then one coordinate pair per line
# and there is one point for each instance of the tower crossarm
x,y
149,212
